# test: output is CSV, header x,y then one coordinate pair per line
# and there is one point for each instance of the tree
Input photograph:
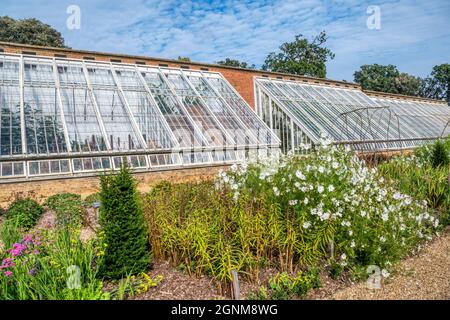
x,y
29,31
387,78
236,63
437,85
122,222
184,59
301,57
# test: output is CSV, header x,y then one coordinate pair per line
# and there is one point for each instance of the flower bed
x,y
292,212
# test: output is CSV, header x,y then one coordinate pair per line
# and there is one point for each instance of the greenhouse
x,y
302,113
67,116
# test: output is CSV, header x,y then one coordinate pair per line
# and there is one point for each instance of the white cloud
x,y
415,36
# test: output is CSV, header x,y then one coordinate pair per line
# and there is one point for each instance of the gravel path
x,y
424,276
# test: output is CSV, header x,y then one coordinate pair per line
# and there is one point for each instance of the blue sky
x,y
414,35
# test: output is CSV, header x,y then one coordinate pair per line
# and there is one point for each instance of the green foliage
x,y
10,232
387,79
301,57
29,31
68,208
283,213
184,59
52,265
437,85
335,269
424,181
236,63
440,155
90,199
123,227
285,287
130,286
27,212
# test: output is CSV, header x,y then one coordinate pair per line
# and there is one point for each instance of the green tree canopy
x,y
29,31
387,79
302,57
236,63
437,85
184,59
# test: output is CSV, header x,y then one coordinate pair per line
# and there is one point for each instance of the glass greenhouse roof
x,y
64,116
349,115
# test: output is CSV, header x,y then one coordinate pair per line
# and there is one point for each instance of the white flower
x,y
306,224
382,239
293,202
321,169
276,191
352,244
384,216
330,188
363,213
397,196
320,189
335,165
306,201
385,273
324,216
300,175
343,256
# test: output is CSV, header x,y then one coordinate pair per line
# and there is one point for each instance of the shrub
x,y
26,212
124,231
285,287
91,199
68,208
422,181
440,155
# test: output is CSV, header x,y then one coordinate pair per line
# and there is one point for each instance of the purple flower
x,y
32,271
7,263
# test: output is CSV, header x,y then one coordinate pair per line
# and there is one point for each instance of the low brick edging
x,y
84,186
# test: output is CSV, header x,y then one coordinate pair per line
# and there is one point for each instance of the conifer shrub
x,y
440,155
124,232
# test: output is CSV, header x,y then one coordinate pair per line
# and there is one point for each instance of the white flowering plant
x,y
330,196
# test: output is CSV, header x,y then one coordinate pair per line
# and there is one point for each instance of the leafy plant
x,y
68,208
26,212
91,199
123,226
285,287
51,265
10,232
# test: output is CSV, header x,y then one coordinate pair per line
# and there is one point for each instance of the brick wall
x,y
41,190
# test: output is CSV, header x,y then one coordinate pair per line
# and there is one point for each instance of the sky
x,y
413,35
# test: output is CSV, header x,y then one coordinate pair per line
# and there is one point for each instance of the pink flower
x,y
8,273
